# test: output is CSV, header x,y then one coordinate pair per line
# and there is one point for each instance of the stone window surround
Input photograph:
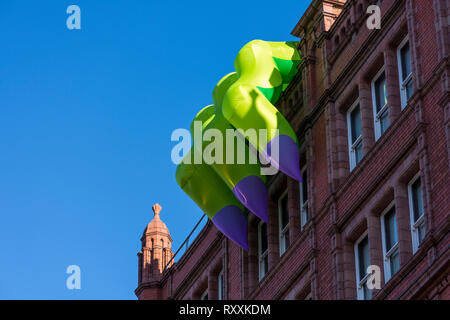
x,y
395,189
301,289
279,185
208,280
359,89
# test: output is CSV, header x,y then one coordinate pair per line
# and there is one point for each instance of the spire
x,y
156,253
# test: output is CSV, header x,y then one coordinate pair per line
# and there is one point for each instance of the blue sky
x,y
85,123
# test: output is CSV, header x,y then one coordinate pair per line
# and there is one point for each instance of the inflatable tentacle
x,y
263,71
243,178
201,183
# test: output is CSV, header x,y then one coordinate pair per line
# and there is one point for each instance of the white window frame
x,y
204,294
304,205
415,225
261,255
403,91
352,147
282,232
387,254
376,115
360,283
220,287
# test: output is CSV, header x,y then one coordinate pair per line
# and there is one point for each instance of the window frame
x,y
352,147
304,205
421,220
262,255
377,115
360,283
403,83
204,295
388,254
220,286
282,232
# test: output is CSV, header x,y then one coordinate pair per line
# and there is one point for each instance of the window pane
x,y
284,211
384,121
367,292
421,230
406,61
220,286
409,89
380,92
355,119
363,257
263,237
390,229
358,152
286,239
304,216
416,189
394,262
265,265
304,187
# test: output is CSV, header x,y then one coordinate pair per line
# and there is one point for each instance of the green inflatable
x,y
220,184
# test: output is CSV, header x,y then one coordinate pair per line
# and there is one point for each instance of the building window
x,y
380,105
355,143
204,295
416,212
220,286
283,222
304,215
390,243
263,250
405,72
362,262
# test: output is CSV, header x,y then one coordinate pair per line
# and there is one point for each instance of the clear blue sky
x,y
85,123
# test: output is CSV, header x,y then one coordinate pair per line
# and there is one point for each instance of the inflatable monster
x,y
244,100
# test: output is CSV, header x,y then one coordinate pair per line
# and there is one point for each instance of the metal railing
x,y
185,243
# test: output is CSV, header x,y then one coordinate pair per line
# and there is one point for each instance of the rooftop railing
x,y
185,243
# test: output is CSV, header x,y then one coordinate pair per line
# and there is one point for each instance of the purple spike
x,y
232,222
252,193
288,159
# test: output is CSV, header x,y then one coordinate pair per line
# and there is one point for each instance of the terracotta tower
x,y
155,255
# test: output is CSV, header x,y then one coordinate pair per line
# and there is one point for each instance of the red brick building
x,y
371,109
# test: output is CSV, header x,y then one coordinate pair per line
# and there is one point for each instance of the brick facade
x,y
341,57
